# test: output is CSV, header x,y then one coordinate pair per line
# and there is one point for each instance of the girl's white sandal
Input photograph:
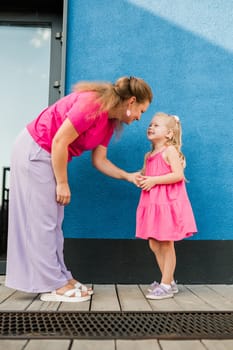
x,y
70,296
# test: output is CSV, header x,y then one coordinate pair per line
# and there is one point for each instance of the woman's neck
x,y
117,111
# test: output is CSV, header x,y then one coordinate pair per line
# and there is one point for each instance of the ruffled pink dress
x,y
164,213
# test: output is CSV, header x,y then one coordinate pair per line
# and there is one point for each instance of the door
x,y
30,71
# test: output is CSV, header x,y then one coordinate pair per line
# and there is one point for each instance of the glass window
x,y
24,83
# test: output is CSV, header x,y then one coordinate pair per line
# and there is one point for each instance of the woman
x,y
39,188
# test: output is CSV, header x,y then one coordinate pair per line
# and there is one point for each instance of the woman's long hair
x,y
110,95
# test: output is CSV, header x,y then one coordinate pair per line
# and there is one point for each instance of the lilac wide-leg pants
x,y
35,260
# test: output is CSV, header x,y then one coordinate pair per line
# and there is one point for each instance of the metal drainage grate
x,y
117,325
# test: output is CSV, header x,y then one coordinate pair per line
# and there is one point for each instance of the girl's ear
x,y
169,134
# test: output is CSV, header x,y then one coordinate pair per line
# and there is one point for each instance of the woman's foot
x,y
69,286
66,294
78,285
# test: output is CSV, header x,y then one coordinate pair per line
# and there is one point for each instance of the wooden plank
x,y
93,345
225,344
165,305
131,298
189,301
18,301
225,290
38,305
105,298
48,344
82,306
5,293
148,344
211,297
8,344
2,279
181,345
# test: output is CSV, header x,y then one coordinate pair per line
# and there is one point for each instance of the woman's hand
x,y
133,177
146,182
63,193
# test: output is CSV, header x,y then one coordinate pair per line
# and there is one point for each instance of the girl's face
x,y
157,130
136,109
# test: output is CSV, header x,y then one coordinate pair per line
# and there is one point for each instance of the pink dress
x,y
164,213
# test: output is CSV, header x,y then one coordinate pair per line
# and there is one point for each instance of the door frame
x,y
35,13
52,13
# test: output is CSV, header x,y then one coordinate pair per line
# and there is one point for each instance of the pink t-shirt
x,y
94,127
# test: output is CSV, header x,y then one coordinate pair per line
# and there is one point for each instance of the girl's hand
x,y
63,193
147,182
139,177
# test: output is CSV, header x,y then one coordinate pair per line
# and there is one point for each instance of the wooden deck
x,y
125,298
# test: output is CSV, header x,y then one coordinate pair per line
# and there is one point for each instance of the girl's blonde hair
x,y
110,95
172,122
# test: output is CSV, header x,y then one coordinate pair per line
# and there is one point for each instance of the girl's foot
x,y
155,284
174,287
160,292
152,286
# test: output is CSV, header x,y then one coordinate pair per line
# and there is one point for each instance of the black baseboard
x,y
131,261
2,266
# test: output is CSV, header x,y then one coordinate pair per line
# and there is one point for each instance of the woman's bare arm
x,y
65,135
103,164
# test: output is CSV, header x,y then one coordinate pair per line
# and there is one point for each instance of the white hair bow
x,y
176,118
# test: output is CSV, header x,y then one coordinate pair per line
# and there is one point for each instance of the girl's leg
x,y
165,255
155,247
168,256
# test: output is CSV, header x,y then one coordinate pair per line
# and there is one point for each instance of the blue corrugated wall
x,y
184,50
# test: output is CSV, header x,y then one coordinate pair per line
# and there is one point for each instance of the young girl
x,y
164,213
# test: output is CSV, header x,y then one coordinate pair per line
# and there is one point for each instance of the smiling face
x,y
136,109
158,130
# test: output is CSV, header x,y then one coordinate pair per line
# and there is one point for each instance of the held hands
x,y
145,182
63,193
132,177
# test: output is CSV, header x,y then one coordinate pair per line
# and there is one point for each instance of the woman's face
x,y
136,109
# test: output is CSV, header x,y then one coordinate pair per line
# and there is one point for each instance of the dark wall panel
x,y
131,261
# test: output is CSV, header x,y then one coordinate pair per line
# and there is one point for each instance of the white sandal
x,y
70,296
83,288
